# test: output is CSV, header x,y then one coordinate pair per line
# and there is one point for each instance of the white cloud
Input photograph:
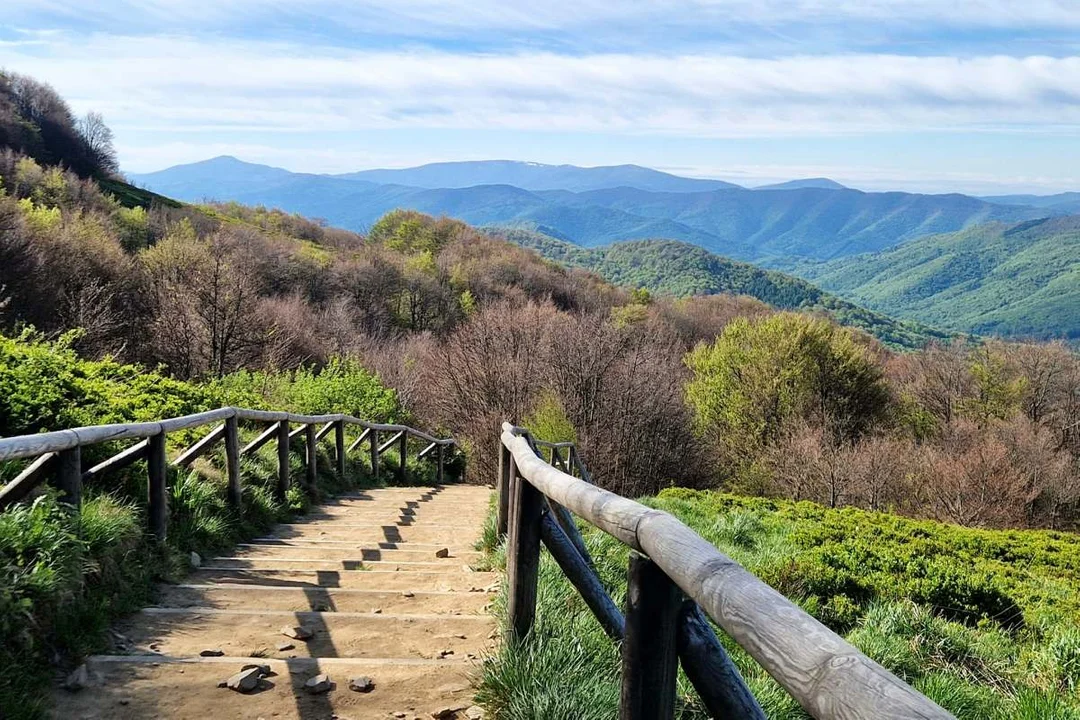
x,y
176,84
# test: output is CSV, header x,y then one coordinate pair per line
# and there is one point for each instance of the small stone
x,y
212,652
263,669
362,684
401,715
446,712
376,611
319,684
299,632
474,713
445,653
78,679
285,646
195,560
244,681
442,553
460,637
408,593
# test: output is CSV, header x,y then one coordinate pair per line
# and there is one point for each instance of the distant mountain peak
x,y
821,183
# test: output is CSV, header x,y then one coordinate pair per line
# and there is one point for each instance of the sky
x,y
977,96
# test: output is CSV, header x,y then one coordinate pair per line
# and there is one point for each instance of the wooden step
x,y
362,579
151,688
276,597
188,631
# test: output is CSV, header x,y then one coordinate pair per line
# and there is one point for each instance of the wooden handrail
x,y
58,453
829,677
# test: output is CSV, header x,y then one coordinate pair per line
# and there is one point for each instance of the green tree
x,y
761,376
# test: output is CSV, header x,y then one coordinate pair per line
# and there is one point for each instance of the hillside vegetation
x,y
1019,280
983,622
676,268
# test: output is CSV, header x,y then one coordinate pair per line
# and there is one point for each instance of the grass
x,y
983,622
65,578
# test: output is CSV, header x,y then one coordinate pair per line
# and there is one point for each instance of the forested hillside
x,y
773,227
680,269
1019,280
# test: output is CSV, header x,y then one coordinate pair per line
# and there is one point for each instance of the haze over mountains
x,y
596,206
955,261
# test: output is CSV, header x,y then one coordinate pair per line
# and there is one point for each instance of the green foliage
x,y
1012,653
1020,280
682,269
548,420
760,376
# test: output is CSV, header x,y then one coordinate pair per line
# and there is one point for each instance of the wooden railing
x,y
674,574
58,457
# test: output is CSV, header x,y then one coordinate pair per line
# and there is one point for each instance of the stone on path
x,y
299,632
362,684
319,684
442,553
244,681
212,652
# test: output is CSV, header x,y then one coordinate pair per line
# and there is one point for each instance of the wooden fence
x,y
57,455
674,574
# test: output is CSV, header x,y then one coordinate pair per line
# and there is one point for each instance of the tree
x,y
99,141
760,376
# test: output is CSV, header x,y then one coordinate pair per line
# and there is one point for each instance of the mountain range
x,y
815,219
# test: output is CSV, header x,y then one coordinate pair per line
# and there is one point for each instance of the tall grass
x,y
975,664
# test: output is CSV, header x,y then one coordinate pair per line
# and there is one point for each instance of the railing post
x,y
506,460
403,451
156,491
374,454
283,460
339,447
69,477
523,555
232,462
571,457
650,661
440,461
312,457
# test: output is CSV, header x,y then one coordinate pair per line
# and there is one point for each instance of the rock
x,y
459,636
263,669
244,681
445,653
285,646
446,712
408,593
474,713
376,611
362,684
196,561
319,684
299,632
78,679
401,715
442,553
212,652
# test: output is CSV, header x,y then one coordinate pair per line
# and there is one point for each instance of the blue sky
x,y
978,96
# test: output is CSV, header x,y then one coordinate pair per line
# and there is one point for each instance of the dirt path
x,y
361,573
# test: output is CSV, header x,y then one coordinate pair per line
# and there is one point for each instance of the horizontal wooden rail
x,y
57,454
829,677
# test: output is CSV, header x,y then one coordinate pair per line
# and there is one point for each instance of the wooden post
x,y
157,493
571,455
523,554
582,577
403,451
232,462
440,461
650,661
339,447
283,459
710,669
69,476
374,454
506,464
312,457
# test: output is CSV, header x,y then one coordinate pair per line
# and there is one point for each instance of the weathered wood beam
x,y
339,447
264,437
232,463
360,440
710,669
582,577
390,443
311,470
118,461
27,481
201,447
650,659
427,451
325,430
284,466
157,492
523,556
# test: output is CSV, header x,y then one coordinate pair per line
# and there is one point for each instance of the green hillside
x,y
681,269
1020,280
